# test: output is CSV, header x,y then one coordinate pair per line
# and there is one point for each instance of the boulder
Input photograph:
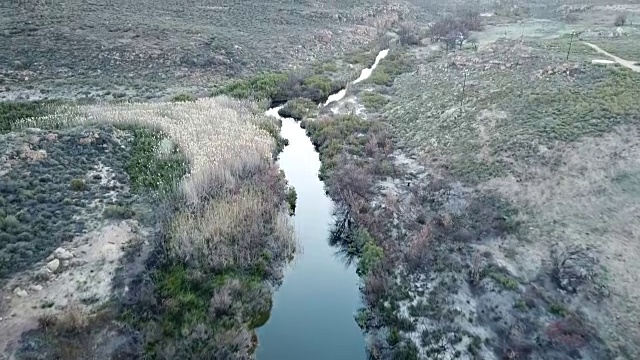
x,y
62,254
20,292
53,265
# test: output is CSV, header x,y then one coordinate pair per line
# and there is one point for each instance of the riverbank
x,y
432,163
195,267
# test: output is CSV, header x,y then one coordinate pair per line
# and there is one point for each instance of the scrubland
x,y
497,219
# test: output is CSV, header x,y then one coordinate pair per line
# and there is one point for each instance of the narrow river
x,y
312,314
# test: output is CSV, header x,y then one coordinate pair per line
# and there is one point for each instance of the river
x,y
313,309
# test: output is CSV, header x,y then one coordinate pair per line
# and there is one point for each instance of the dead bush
x,y
47,321
620,20
418,249
376,287
409,33
73,321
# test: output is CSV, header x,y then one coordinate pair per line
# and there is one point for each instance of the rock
x,y
53,265
65,263
35,287
62,254
20,292
51,137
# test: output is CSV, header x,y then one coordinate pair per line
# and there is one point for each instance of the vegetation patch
x,y
396,63
299,109
373,101
11,112
280,87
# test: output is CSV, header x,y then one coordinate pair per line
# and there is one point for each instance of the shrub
x,y
409,33
183,98
371,256
620,20
373,101
559,309
507,282
78,185
320,82
261,86
119,212
330,67
292,197
298,109
146,170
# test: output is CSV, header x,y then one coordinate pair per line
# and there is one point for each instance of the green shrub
x,y
394,337
298,109
261,86
183,98
78,185
330,67
118,212
558,309
394,64
320,82
507,282
373,101
9,222
292,197
371,256
405,351
380,77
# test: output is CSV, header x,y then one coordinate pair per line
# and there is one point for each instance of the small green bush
x,y
292,197
148,172
183,98
373,101
320,82
330,67
371,256
507,282
298,109
394,337
380,77
558,309
119,212
78,185
261,86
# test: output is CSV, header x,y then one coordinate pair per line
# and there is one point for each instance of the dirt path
x,y
626,63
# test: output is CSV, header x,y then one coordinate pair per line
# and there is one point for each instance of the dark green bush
x,y
183,98
78,185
